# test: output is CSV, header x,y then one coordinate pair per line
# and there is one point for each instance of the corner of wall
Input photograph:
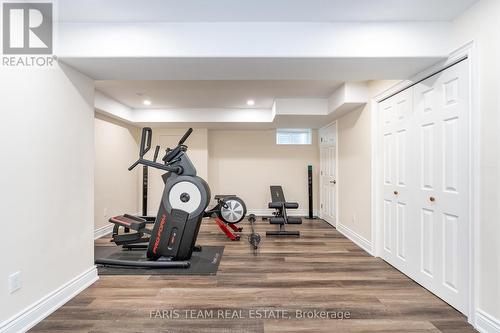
x,y
41,309
359,240
486,323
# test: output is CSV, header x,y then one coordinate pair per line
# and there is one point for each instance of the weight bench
x,y
280,216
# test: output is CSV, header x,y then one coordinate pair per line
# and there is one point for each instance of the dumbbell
x,y
254,238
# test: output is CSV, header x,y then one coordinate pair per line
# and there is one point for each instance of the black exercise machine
x,y
228,211
171,241
280,216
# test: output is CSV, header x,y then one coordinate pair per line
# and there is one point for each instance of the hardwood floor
x,y
321,270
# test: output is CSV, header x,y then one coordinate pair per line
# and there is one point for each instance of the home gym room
x,y
250,166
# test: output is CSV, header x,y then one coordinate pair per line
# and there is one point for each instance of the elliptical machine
x,y
185,197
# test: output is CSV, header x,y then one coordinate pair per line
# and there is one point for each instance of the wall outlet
x,y
354,218
14,282
105,213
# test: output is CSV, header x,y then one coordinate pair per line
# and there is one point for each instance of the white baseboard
x,y
103,231
38,311
290,212
486,323
355,237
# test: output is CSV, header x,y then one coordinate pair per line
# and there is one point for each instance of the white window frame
x,y
291,132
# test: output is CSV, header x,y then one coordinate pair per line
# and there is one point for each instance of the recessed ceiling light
x,y
250,102
146,102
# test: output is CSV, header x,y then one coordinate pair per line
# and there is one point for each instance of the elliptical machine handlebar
x,y
185,136
147,134
170,154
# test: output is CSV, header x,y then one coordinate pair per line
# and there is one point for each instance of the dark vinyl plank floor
x,y
321,271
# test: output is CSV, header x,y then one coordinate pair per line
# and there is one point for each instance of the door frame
x,y
335,124
467,51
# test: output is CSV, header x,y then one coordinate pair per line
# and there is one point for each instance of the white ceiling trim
x,y
168,94
312,112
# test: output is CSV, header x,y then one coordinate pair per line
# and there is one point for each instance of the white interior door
x,y
424,206
398,179
328,174
442,119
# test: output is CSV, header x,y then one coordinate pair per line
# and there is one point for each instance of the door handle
x,y
333,182
396,192
432,199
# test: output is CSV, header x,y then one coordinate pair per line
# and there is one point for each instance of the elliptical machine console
x,y
185,197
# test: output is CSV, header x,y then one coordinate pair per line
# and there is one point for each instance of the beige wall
x,y
354,174
481,23
47,187
116,188
232,162
247,162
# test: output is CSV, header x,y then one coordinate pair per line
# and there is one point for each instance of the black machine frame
x,y
280,215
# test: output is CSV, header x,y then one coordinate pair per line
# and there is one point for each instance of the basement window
x,y
293,136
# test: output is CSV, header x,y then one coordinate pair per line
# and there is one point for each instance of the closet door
x,y
398,179
441,106
425,163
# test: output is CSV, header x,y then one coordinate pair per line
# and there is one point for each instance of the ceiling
x,y
213,93
259,10
226,78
